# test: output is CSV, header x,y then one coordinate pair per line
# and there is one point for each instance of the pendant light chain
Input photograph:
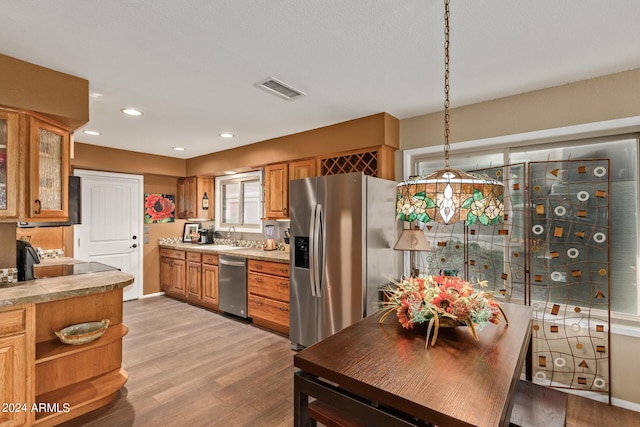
x,y
446,84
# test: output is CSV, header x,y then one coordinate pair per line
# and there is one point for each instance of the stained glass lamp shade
x,y
448,196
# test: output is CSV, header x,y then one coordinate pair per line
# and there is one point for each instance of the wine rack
x,y
366,162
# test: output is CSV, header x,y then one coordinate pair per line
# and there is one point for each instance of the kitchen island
x,y
47,382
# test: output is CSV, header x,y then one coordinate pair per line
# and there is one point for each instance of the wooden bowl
x,y
82,333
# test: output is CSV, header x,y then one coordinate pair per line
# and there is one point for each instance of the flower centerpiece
x,y
441,301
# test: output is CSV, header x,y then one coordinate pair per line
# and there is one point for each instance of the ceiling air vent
x,y
279,88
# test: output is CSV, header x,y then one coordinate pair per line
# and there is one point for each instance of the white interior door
x,y
111,229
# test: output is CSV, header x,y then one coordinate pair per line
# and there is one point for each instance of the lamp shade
x,y
412,240
448,196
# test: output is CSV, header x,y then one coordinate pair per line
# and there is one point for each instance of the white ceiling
x,y
190,66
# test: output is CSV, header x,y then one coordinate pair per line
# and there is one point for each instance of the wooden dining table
x,y
380,374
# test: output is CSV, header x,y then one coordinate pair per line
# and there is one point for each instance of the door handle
x,y
133,246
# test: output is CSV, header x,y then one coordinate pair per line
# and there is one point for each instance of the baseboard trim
x,y
157,294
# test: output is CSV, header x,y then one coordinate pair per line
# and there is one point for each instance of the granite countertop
x,y
56,288
252,253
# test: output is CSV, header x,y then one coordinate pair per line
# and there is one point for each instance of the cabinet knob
x,y
258,279
284,284
38,210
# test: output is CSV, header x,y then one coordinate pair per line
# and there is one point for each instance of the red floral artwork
x,y
159,208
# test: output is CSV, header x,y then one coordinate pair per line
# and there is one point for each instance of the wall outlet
x,y
146,230
145,239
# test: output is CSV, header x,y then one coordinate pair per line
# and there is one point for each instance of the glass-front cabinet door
x,y
9,165
49,171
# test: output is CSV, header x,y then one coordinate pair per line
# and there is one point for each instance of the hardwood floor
x,y
193,367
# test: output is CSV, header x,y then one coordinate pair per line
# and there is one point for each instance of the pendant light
x,y
447,195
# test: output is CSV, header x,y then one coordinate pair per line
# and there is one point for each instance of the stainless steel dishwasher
x,y
232,285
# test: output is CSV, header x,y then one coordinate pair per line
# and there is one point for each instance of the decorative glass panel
x,y
570,279
51,177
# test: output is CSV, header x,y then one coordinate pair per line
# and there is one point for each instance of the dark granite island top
x,y
57,288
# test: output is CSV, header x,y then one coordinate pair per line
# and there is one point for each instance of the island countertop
x,y
259,254
57,288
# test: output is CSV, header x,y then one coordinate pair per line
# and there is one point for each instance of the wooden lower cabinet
x,y
210,283
268,299
193,277
71,380
16,366
200,277
172,272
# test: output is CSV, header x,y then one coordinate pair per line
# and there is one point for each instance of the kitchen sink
x,y
222,247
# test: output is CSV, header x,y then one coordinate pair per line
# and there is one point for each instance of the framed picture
x,y
188,229
159,208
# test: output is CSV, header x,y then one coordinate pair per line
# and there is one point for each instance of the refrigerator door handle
x,y
320,240
312,251
316,252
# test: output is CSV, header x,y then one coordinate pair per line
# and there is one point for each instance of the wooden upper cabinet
x,y
9,161
302,169
191,200
277,191
48,171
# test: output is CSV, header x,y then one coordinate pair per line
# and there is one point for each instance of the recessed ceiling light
x,y
229,172
132,112
226,135
178,148
92,132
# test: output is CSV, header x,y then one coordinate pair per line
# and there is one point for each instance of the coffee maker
x,y
27,257
269,243
206,236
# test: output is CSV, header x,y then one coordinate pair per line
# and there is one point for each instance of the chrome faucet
x,y
234,242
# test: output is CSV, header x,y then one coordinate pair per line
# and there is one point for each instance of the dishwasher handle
x,y
235,262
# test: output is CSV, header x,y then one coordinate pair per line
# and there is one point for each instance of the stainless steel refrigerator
x,y
343,230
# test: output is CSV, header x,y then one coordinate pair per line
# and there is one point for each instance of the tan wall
x,y
31,87
605,98
7,245
106,159
161,185
371,131
160,176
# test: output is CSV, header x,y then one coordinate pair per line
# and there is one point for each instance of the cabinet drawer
x,y
275,268
268,286
210,259
273,311
13,321
171,253
193,256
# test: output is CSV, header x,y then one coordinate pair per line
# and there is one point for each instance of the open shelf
x,y
81,398
54,349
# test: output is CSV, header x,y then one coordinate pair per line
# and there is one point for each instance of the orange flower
x,y
443,302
